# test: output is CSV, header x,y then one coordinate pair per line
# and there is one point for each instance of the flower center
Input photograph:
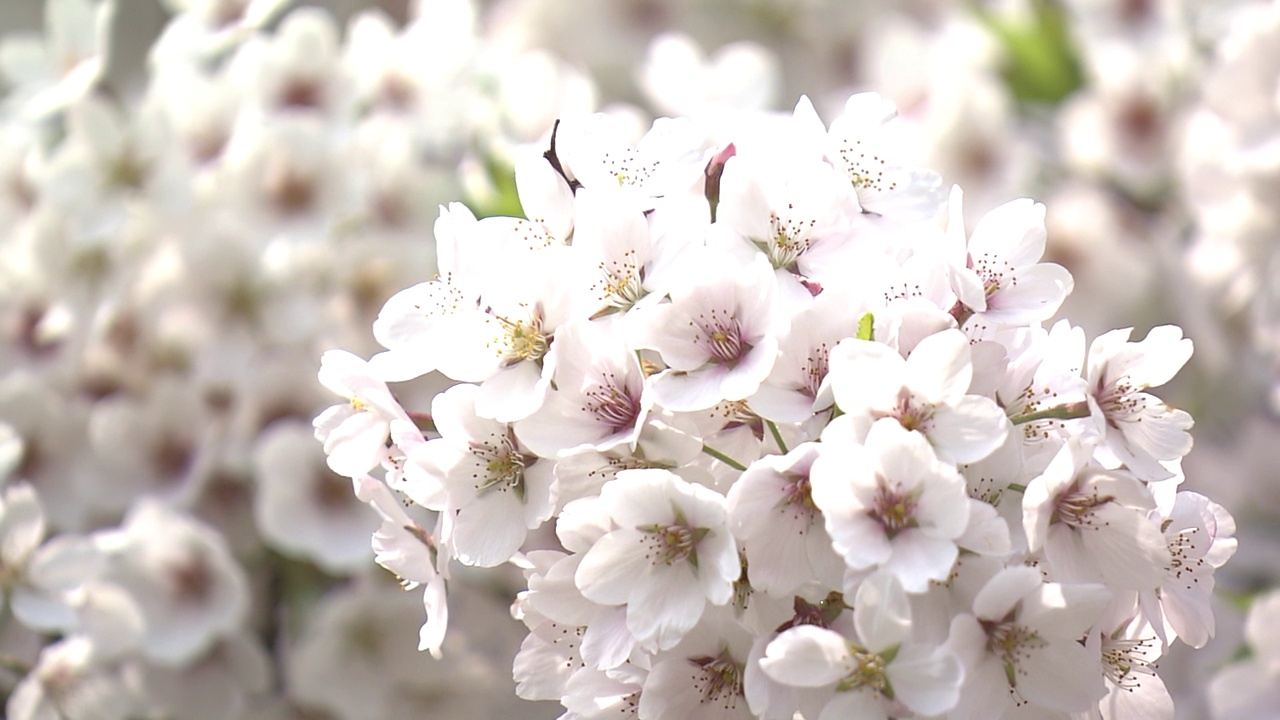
x,y
866,670
894,508
865,172
1182,567
816,368
797,494
993,271
621,284
628,169
502,465
1124,662
669,544
614,407
1077,509
722,337
911,414
721,679
1010,642
522,340
790,239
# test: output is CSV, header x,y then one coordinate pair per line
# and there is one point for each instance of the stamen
x,y
720,679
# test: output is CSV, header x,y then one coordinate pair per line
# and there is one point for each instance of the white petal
x,y
925,679
806,656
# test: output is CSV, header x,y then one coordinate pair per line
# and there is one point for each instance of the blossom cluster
x,y
807,443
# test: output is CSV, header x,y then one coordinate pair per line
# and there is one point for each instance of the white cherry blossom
x,y
1138,429
718,333
1021,645
669,555
891,504
926,393
495,487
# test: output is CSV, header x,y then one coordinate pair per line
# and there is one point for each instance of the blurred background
x,y
199,197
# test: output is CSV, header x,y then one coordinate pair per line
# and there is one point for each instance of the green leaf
x,y
505,201
1041,63
866,327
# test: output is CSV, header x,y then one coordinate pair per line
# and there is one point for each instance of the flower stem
x,y
1070,411
777,436
723,458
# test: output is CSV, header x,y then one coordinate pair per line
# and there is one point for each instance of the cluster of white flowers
x,y
807,449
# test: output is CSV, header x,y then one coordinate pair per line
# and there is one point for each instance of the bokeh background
x,y
199,197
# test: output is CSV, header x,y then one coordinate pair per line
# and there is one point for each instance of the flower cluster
x,y
808,444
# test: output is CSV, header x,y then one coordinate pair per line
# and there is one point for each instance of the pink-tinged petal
x,y
581,523
1004,591
612,569
967,639
968,430
426,469
743,205
1189,613
607,643
1041,495
1013,232
861,704
555,595
431,636
926,679
718,567
1162,354
1130,551
781,404
904,456
513,393
1159,431
746,376
669,330
544,196
943,509
1033,294
985,693
490,530
540,491
665,606
917,559
540,670
557,426
1067,557
1148,700
865,375
806,656
1066,612
939,369
1063,676
987,533
690,391
881,612
968,288
639,497
357,445
860,539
